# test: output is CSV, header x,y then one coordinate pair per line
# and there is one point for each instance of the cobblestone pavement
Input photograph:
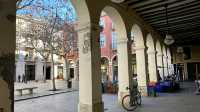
x,y
183,101
43,88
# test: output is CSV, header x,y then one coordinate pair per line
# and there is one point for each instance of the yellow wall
x,y
195,55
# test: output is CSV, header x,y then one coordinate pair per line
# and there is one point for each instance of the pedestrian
x,y
23,78
133,88
158,76
19,78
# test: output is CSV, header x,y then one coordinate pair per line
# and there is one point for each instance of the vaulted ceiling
x,y
183,17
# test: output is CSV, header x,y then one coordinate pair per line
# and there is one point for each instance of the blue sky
x,y
64,8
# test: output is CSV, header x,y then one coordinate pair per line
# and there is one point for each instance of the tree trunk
x,y
67,69
68,78
52,73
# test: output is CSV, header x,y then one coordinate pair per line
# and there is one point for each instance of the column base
x,y
121,94
96,107
143,90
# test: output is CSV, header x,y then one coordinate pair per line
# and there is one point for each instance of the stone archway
x,y
90,98
159,59
152,66
139,48
122,49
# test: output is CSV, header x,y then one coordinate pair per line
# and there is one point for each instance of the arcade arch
x,y
160,59
139,48
152,66
122,49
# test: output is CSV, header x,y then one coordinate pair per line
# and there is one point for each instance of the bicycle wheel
x,y
127,104
139,98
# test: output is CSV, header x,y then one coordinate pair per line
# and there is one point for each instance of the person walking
x,y
134,88
23,78
19,78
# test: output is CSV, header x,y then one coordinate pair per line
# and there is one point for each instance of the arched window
x,y
102,40
114,40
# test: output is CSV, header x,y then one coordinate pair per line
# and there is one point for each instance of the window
x,y
102,22
102,40
114,40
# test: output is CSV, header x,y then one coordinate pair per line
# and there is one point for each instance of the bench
x,y
30,89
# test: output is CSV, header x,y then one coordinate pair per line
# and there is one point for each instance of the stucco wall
x,y
195,52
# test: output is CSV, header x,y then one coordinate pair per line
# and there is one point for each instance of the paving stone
x,y
183,101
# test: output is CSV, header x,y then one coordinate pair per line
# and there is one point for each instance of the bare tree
x,y
43,40
36,37
20,4
47,36
65,44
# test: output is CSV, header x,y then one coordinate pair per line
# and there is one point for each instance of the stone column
x,y
110,72
75,80
76,71
169,65
152,65
165,65
160,65
124,67
90,97
185,71
141,68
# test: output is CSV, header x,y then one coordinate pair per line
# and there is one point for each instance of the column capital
x,y
110,63
152,52
139,48
164,56
88,26
83,27
160,54
122,41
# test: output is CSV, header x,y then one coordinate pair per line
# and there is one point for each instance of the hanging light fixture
x,y
168,39
117,1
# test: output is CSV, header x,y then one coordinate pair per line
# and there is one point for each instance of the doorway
x,y
30,72
71,72
193,71
48,73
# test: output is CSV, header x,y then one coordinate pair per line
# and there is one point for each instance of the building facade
x,y
30,63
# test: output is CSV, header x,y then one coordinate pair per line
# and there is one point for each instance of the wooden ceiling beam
x,y
162,8
179,9
195,11
157,4
171,21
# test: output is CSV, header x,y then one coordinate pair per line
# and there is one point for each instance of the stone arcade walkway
x,y
184,101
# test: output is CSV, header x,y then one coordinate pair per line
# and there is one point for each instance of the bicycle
x,y
129,105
